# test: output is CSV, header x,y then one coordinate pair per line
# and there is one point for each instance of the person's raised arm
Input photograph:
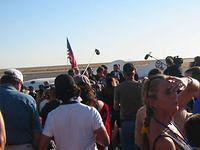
x,y
190,88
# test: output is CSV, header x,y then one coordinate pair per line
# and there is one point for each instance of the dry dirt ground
x,y
53,71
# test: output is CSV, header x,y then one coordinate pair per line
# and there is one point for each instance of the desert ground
x,y
53,71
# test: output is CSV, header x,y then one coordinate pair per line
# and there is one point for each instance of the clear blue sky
x,y
33,33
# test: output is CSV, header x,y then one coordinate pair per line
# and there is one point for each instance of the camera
x,y
178,61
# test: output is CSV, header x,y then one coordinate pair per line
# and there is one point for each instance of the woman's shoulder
x,y
164,142
102,105
167,140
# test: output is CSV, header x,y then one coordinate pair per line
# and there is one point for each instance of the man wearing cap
x,y
19,112
73,125
127,95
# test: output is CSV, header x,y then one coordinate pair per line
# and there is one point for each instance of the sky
x,y
33,32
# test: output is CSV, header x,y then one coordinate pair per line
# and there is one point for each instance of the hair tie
x,y
145,130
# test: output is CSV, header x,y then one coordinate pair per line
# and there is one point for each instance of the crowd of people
x,y
105,111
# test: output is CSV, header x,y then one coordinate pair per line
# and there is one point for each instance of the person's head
x,y
25,90
76,71
169,60
40,95
31,88
66,88
71,72
46,84
154,71
196,61
88,94
14,77
158,96
116,67
129,70
192,130
111,81
194,72
81,80
105,71
52,93
90,70
100,72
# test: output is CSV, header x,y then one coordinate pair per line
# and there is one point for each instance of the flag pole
x,y
97,52
88,63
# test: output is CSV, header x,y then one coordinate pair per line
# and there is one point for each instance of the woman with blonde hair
x,y
164,96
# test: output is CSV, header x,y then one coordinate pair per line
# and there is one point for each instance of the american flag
x,y
70,56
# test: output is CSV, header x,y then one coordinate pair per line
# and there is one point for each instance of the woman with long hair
x,y
89,97
164,96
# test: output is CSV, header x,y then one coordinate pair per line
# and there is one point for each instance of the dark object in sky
x,y
97,51
147,56
159,64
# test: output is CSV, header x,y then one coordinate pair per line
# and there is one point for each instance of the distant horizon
x,y
33,33
68,65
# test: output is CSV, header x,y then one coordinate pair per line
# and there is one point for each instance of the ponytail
x,y
146,128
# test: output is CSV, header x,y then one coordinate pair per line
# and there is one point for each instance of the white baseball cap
x,y
14,73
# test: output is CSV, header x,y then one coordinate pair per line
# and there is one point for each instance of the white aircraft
x,y
142,71
35,83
